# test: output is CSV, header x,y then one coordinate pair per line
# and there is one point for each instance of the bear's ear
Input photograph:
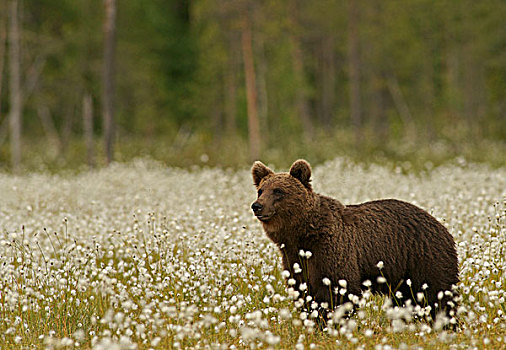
x,y
301,170
259,171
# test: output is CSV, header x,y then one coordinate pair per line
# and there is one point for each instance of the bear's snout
x,y
262,212
256,207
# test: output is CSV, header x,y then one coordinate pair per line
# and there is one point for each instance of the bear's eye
x,y
260,191
278,191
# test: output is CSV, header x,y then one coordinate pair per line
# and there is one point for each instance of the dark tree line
x,y
258,70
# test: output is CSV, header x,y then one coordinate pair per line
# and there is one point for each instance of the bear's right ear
x,y
301,170
259,171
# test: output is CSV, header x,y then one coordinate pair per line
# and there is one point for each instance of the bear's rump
x,y
409,242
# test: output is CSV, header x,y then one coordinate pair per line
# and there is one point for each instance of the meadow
x,y
141,256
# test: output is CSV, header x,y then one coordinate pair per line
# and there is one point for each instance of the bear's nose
x,y
256,206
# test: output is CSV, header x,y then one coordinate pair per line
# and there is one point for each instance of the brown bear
x,y
383,239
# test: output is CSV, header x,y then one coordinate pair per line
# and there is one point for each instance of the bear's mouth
x,y
264,217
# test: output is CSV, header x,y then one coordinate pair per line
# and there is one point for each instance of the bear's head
x,y
283,198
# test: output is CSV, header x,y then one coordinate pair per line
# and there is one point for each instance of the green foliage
x,y
429,71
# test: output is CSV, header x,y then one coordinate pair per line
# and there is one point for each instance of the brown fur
x,y
347,242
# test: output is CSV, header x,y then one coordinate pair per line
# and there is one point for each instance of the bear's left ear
x,y
259,171
301,170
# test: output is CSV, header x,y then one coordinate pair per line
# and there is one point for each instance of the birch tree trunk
x,y
354,69
14,86
108,77
251,93
231,95
301,96
88,128
327,80
3,41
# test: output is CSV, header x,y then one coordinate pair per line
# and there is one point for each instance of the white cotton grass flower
x,y
285,314
305,254
381,279
380,264
296,268
326,281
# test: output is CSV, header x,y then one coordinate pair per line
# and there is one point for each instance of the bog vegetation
x,y
140,256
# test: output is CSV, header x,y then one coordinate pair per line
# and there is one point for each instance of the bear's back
x,y
410,242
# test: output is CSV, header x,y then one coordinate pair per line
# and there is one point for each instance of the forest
x,y
222,82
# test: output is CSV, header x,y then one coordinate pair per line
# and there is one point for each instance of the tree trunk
x,y
49,128
354,69
301,98
3,41
15,86
327,81
263,101
231,87
108,77
378,99
402,107
249,72
88,128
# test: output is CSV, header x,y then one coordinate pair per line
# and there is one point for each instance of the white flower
x,y
425,286
408,282
326,281
380,264
285,274
296,268
284,314
381,279
303,287
343,283
308,254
